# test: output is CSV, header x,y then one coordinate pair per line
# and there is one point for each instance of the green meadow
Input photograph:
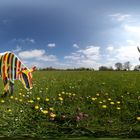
x,y
73,104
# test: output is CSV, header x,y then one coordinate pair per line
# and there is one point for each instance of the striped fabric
x,y
11,68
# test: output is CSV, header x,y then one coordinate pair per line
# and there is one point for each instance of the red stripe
x,y
18,68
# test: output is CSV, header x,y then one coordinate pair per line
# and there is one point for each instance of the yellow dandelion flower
x,y
44,111
109,99
63,92
93,99
118,102
73,94
11,97
38,98
60,98
47,99
20,93
97,94
118,108
100,102
51,109
112,103
9,110
36,107
23,95
30,101
70,94
52,115
138,118
104,106
16,98
59,94
2,101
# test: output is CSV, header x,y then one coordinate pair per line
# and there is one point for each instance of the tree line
x,y
117,67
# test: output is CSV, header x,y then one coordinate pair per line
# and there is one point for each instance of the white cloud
x,y
37,54
127,53
30,40
23,40
18,49
76,46
119,16
51,45
133,29
31,54
87,57
110,48
123,54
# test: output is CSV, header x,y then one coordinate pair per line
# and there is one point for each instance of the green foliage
x,y
73,104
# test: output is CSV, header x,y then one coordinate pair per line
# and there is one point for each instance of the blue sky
x,y
71,33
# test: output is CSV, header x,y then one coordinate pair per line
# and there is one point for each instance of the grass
x,y
74,104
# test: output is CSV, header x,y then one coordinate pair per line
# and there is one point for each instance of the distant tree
x,y
119,66
104,68
127,66
137,68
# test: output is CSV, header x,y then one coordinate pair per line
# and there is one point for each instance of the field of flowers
x,y
73,104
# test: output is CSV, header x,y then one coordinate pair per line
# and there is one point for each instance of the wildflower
x,y
59,94
100,102
2,101
30,101
20,93
20,100
104,106
104,101
44,111
63,92
9,110
118,108
93,99
16,98
36,107
23,95
38,98
41,108
73,94
138,118
47,99
97,94
51,109
112,103
109,99
11,97
52,115
60,98
69,94
118,102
